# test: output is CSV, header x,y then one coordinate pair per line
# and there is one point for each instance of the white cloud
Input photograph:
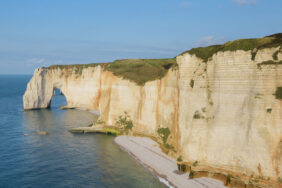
x,y
210,40
245,2
36,60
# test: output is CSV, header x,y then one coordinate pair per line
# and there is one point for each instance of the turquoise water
x,y
59,159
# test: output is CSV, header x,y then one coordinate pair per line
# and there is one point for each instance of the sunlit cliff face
x,y
225,113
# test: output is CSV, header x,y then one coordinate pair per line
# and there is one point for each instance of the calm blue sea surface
x,y
59,159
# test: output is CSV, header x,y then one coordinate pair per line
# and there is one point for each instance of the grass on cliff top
x,y
77,67
141,70
243,44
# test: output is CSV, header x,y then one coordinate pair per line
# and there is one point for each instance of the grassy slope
x,y
141,71
243,44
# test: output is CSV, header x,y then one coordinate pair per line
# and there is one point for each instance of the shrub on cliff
x,y
278,93
163,134
124,122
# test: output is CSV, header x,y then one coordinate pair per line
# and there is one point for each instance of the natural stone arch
x,y
57,92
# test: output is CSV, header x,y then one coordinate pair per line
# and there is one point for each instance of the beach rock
x,y
42,133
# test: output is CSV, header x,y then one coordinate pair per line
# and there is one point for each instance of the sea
x,y
59,159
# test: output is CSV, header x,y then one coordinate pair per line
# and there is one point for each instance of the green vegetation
x,y
183,167
163,134
275,54
278,93
254,45
141,70
124,122
270,62
269,110
192,83
195,164
111,131
191,174
179,159
100,122
197,115
168,146
228,179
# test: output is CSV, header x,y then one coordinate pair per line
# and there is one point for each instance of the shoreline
x,y
148,153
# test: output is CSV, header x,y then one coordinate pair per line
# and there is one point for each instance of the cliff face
x,y
230,118
225,112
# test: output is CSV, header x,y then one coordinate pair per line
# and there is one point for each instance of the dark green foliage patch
x,y
192,83
163,134
124,122
179,159
278,93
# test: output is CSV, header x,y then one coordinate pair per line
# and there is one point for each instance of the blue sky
x,y
35,33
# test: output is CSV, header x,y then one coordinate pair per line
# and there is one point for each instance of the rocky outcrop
x,y
225,112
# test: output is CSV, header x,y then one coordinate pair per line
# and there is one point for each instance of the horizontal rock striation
x,y
224,110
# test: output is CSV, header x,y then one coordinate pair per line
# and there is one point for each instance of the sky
x,y
36,33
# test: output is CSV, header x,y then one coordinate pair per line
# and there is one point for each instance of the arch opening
x,y
58,99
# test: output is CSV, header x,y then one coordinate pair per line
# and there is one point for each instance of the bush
x,y
179,159
163,134
197,115
195,163
192,83
167,146
183,168
124,122
228,179
278,93
191,174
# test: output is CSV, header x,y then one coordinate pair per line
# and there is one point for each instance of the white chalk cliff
x,y
222,113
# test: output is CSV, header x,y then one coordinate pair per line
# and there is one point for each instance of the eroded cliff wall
x,y
222,112
230,118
